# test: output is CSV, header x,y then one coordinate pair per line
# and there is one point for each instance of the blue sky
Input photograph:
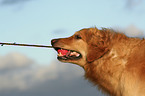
x,y
39,21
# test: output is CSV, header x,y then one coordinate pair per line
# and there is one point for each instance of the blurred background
x,y
36,71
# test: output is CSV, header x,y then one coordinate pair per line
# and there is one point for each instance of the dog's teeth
x,y
78,55
59,54
71,53
75,53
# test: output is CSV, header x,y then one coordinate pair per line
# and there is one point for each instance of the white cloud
x,y
131,31
14,60
19,75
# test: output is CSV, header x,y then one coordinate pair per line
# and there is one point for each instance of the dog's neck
x,y
107,71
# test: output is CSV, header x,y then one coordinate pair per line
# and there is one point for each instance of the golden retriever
x,y
111,60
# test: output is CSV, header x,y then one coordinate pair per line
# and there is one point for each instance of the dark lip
x,y
63,58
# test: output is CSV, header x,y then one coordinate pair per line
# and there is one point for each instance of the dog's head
x,y
84,46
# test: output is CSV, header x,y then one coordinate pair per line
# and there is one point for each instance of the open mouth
x,y
65,54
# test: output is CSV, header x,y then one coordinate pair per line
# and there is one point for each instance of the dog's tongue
x,y
62,51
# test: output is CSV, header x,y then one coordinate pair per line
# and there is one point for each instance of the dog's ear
x,y
97,46
95,52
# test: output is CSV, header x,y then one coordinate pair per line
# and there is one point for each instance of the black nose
x,y
53,41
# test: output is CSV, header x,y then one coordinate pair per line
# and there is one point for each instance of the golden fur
x,y
111,60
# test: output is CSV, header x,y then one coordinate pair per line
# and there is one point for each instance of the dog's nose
x,y
53,41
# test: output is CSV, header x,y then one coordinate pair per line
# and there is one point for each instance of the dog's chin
x,y
66,55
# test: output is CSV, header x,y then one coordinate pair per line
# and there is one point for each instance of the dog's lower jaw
x,y
80,62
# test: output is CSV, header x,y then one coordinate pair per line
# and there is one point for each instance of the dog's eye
x,y
78,37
